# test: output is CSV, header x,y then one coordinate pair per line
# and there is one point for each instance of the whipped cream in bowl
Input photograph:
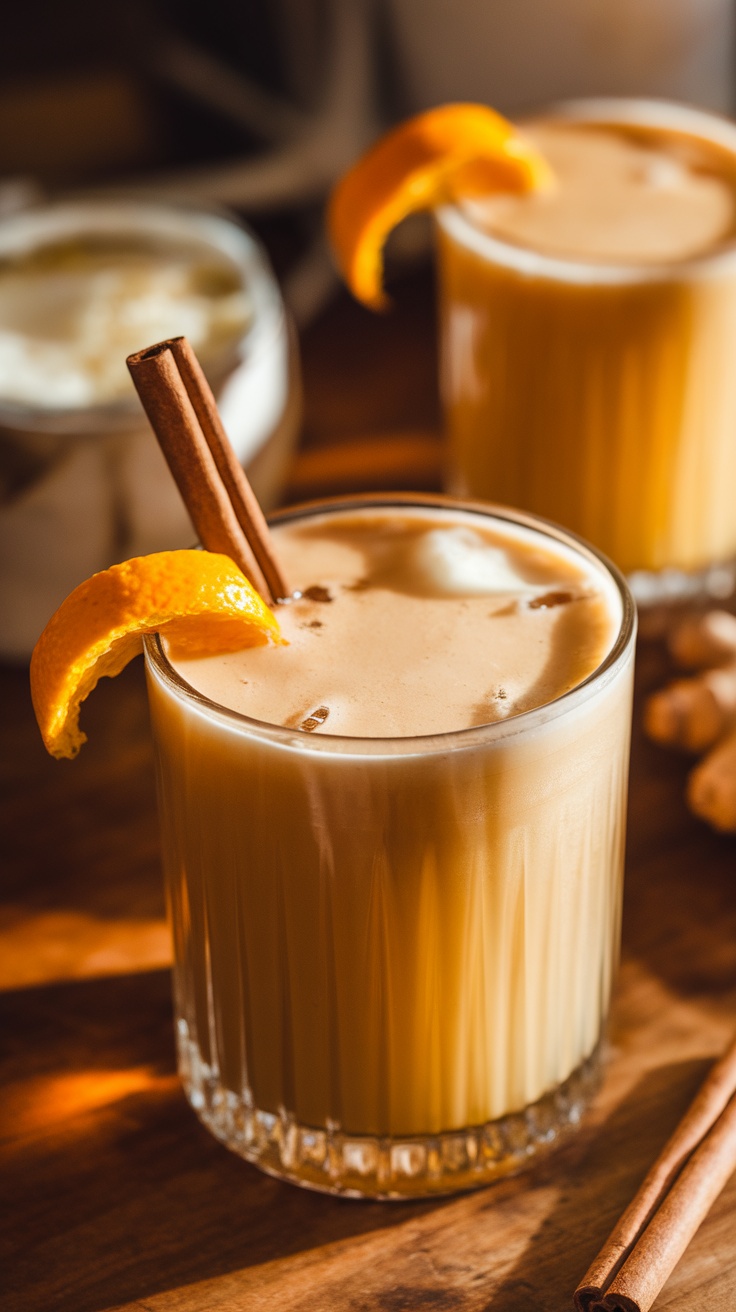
x,y
83,484
72,310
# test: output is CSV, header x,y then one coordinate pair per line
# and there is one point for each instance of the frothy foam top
x,y
628,195
415,622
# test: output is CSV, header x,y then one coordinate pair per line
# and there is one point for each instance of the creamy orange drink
x,y
588,330
394,847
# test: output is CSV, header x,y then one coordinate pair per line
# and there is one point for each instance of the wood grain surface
x,y
112,1196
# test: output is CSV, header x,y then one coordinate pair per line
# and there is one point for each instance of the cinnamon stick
x,y
174,398
672,1202
684,1209
242,497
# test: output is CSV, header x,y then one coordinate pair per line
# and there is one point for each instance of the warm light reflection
x,y
47,1103
53,946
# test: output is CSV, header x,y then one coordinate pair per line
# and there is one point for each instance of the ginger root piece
x,y
705,640
693,713
699,713
711,790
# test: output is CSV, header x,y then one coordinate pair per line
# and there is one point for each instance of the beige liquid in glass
x,y
588,337
386,929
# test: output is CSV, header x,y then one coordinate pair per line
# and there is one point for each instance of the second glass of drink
x,y
587,340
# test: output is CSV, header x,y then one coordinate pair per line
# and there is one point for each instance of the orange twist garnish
x,y
199,600
443,155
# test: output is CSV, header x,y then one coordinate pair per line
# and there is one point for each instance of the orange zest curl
x,y
443,155
199,600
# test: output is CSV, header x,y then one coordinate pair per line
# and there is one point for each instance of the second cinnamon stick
x,y
681,1214
702,1115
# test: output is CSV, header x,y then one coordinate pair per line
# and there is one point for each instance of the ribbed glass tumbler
x,y
393,957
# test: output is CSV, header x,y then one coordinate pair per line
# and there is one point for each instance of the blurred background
x,y
260,105
252,110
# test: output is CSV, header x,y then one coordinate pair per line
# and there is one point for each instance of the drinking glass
x,y
393,957
600,395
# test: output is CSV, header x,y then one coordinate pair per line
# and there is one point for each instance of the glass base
x,y
330,1161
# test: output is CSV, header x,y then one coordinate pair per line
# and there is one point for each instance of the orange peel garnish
x,y
199,600
443,155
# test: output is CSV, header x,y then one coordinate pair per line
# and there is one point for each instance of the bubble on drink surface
x,y
458,562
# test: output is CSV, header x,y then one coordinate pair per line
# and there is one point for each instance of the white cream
x,y
71,312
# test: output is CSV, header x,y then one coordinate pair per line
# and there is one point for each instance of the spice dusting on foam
x,y
411,622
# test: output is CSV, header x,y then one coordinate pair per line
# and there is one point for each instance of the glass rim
x,y
613,111
420,744
214,227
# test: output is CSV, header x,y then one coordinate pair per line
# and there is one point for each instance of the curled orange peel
x,y
443,155
199,600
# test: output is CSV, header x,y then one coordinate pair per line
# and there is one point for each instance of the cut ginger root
x,y
705,640
199,600
698,714
711,788
693,713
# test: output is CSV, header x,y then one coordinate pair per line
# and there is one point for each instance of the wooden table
x,y
114,1196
